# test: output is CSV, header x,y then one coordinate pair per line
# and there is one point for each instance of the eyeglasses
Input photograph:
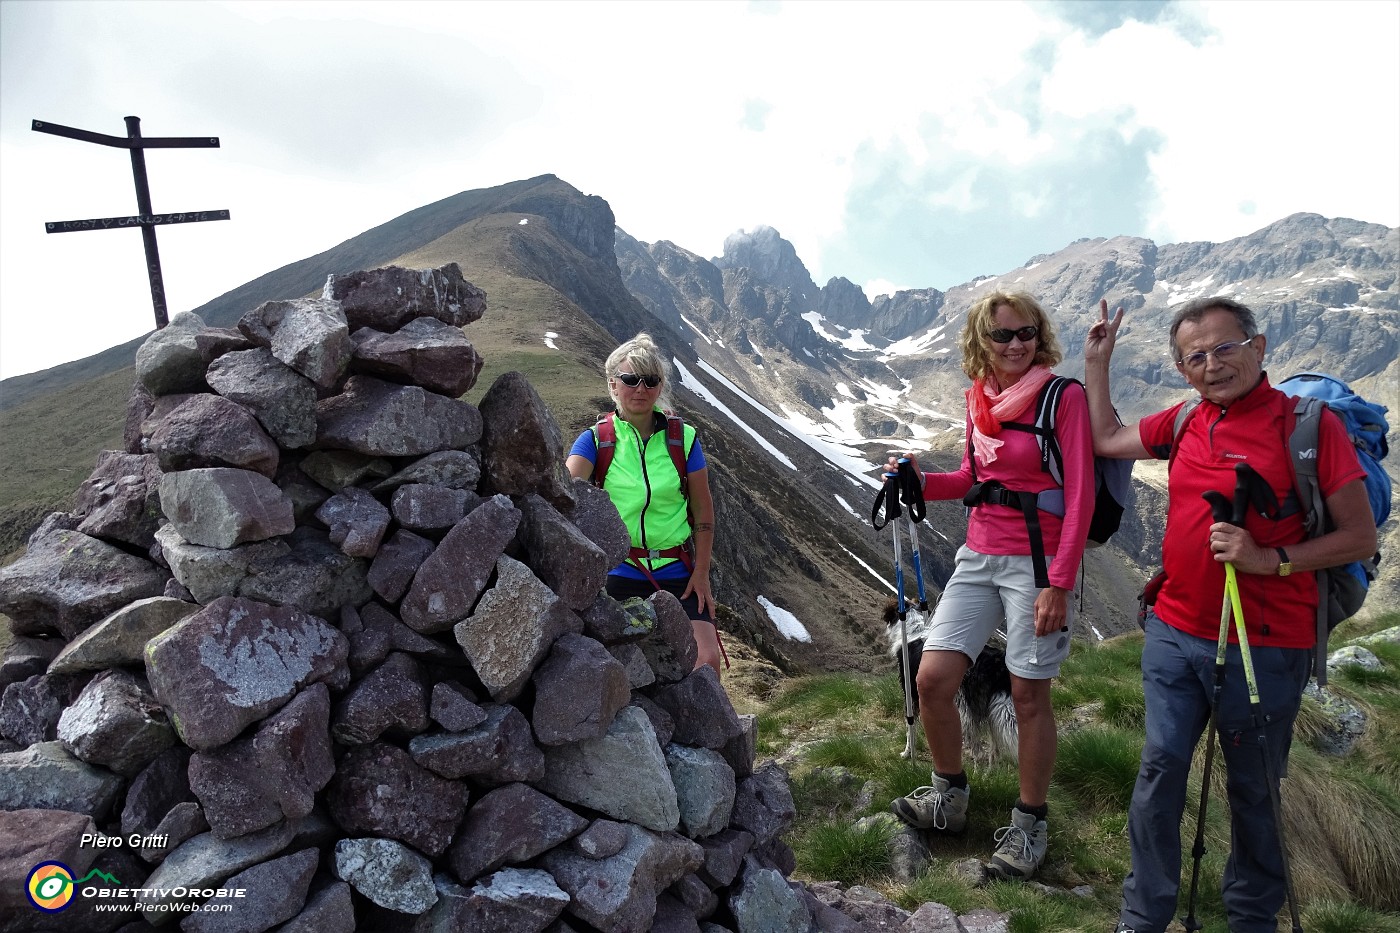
x,y
1024,334
631,380
1223,352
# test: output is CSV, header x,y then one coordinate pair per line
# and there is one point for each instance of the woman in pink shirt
x,y
1029,521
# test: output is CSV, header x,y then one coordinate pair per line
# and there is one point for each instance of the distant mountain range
x,y
797,389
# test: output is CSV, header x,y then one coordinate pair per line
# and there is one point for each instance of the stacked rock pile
x,y
325,649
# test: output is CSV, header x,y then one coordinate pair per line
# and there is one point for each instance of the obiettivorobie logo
x,y
51,888
51,885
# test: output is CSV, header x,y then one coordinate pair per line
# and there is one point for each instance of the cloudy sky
x,y
896,144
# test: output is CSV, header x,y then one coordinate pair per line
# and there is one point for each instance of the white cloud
x,y
887,141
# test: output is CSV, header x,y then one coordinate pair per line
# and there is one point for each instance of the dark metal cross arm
x,y
126,142
134,220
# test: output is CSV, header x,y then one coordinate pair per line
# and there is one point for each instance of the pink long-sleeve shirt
x,y
1001,529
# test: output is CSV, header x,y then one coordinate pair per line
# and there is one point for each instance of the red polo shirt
x,y
1278,611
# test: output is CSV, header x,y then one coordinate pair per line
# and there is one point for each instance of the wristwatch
x,y
1285,566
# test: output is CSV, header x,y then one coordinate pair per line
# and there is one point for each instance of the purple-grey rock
x,y
661,722
423,507
222,507
357,521
500,750
389,700
120,501
28,837
170,360
46,776
741,750
161,786
378,789
622,774
513,900
454,707
508,826
389,297
273,891
282,399
670,646
204,861
693,894
612,623
386,420
336,469
210,431
183,822
455,469
116,723
388,873
120,639
398,560
701,709
31,708
306,494
602,839
673,917
579,688
618,894
634,662
763,804
724,856
522,449
451,579
66,581
315,575
308,334
236,661
274,774
26,656
329,910
596,517
425,352
561,555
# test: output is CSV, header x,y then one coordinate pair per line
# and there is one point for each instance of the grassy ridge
x,y
840,736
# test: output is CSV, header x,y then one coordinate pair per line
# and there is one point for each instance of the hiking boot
x,y
940,807
1020,847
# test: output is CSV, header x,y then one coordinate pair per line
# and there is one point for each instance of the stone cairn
x,y
330,636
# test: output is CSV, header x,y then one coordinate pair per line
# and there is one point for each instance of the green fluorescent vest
x,y
647,489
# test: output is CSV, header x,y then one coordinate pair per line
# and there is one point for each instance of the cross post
x,y
146,219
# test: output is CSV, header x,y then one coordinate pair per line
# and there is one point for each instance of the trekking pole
x,y
888,498
1248,479
911,493
1221,510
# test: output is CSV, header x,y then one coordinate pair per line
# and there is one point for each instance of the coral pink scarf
x,y
989,408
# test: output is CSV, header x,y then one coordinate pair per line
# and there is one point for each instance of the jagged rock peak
x,y
772,259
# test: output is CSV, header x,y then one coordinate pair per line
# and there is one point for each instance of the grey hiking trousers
x,y
1178,677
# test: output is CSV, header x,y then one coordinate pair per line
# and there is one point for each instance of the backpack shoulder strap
x,y
1301,424
1043,426
605,439
1179,427
675,444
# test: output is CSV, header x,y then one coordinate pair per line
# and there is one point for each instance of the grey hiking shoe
x,y
940,807
1020,847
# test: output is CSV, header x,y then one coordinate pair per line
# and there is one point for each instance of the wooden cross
x,y
147,220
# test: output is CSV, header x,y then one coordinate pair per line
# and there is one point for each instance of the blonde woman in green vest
x,y
656,475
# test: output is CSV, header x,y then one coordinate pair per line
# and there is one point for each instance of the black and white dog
x,y
985,707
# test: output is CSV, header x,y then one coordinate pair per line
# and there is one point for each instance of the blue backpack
x,y
1345,586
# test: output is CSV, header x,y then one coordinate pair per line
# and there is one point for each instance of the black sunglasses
x,y
632,379
1024,334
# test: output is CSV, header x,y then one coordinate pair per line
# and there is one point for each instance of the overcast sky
x,y
899,145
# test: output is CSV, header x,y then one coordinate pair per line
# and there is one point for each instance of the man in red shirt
x,y
1241,418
